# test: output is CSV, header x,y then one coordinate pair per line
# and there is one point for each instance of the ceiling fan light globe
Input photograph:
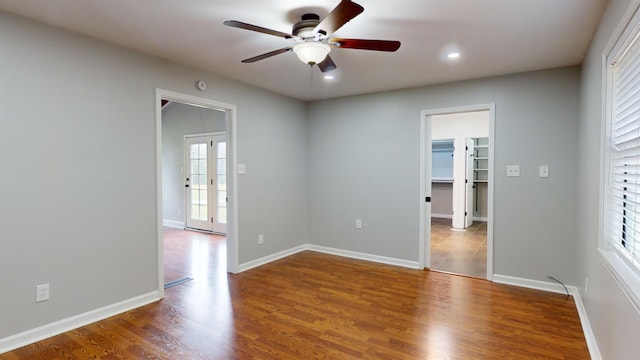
x,y
311,52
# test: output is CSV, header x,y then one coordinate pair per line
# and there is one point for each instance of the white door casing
x,y
231,130
424,210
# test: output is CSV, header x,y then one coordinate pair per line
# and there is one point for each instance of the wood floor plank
x,y
317,306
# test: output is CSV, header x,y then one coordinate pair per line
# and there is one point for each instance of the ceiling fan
x,y
312,36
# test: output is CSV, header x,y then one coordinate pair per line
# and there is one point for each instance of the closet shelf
x,y
442,180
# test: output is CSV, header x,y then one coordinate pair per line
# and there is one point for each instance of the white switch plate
x,y
513,170
544,171
42,292
242,169
358,224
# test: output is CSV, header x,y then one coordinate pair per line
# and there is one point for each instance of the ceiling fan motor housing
x,y
304,28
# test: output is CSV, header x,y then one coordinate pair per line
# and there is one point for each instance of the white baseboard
x,y
363,256
442,216
532,284
327,250
173,223
269,258
74,322
594,351
481,219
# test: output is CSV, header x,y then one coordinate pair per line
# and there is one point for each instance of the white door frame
x,y
231,131
424,258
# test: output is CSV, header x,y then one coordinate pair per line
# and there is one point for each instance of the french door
x,y
206,182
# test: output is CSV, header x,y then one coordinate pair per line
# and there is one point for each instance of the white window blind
x,y
623,200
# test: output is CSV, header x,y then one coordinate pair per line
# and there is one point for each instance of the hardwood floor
x,y
459,252
193,254
317,306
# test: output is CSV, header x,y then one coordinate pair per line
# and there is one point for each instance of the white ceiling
x,y
494,37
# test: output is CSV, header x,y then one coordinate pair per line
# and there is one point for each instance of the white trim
x,y
482,219
623,275
270,258
173,223
533,284
621,272
425,174
442,216
624,28
76,321
589,336
331,251
424,208
490,189
231,130
367,257
213,133
159,212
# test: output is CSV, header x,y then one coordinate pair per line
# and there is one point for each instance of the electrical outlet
x,y
260,239
179,212
513,170
42,292
544,171
358,224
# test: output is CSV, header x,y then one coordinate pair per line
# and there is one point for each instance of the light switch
x,y
544,171
513,170
242,169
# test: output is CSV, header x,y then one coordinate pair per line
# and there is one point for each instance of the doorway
x,y
171,209
456,212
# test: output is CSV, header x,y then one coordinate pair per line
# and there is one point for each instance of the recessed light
x,y
328,77
453,55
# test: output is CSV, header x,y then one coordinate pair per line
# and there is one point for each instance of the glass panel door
x,y
197,182
220,192
206,182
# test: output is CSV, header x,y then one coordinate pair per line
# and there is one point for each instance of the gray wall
x,y
179,120
77,158
614,319
441,199
480,208
364,163
77,124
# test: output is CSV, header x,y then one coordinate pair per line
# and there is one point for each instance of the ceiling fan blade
x,y
260,29
327,64
378,45
342,14
266,55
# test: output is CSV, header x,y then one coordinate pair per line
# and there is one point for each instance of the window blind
x,y
623,213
